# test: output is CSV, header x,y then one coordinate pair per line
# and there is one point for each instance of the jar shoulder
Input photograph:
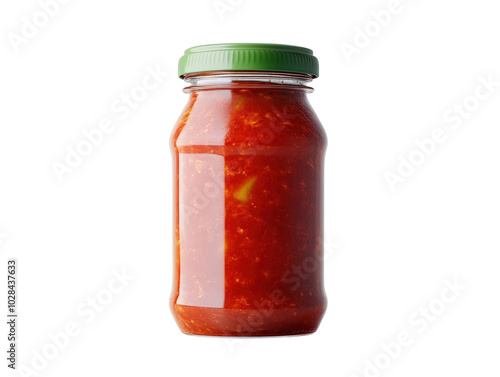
x,y
229,118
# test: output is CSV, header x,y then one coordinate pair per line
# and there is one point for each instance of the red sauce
x,y
248,167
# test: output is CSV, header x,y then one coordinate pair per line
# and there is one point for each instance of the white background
x,y
392,250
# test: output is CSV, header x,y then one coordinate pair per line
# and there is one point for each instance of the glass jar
x,y
248,153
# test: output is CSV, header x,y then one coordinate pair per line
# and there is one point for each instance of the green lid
x,y
248,57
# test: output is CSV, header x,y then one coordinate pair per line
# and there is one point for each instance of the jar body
x,y
248,211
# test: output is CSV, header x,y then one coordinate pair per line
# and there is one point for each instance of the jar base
x,y
195,320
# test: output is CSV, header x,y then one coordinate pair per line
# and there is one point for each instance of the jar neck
x,y
244,80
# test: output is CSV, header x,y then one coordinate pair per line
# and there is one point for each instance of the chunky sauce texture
x,y
248,199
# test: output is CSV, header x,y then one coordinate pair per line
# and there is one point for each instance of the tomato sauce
x,y
248,202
